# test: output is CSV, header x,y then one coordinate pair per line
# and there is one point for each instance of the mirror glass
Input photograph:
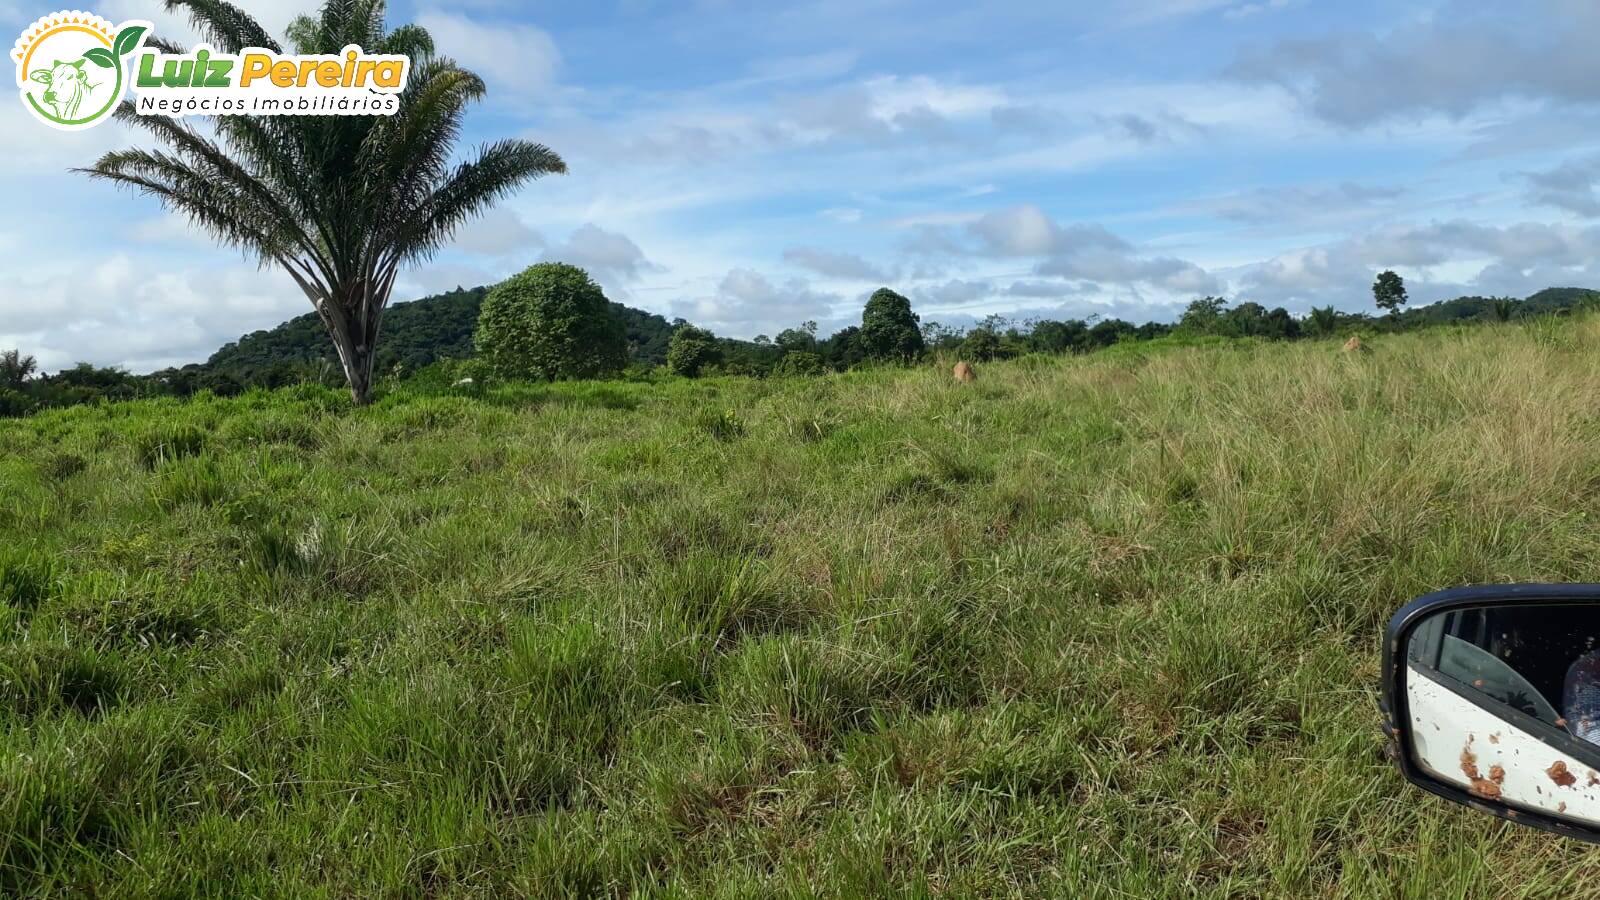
x,y
1504,702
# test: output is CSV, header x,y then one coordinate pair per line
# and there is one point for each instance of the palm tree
x,y
339,202
1325,320
16,368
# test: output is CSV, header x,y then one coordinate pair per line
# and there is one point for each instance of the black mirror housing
x,y
1490,698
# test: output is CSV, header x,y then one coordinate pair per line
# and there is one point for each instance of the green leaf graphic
x,y
128,38
100,56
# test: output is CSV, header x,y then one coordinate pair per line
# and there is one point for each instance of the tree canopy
x,y
1389,291
692,351
889,329
552,322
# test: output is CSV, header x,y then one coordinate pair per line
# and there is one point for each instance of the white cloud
x,y
123,311
883,108
1246,10
1569,186
514,58
1305,205
274,16
844,266
1456,62
956,291
1027,231
1159,126
1076,252
499,232
1439,260
28,148
746,303
611,258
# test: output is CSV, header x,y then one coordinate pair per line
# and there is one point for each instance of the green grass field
x,y
1097,626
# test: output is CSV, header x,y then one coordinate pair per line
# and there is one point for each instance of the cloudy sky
x,y
748,165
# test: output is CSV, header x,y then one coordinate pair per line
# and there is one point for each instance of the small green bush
x,y
693,352
981,345
273,426
808,427
799,364
15,403
820,691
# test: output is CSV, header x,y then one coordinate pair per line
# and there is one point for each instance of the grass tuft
x,y
164,443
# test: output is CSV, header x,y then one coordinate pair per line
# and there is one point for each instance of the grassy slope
x,y
1101,626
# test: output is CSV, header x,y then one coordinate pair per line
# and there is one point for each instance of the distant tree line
x,y
568,329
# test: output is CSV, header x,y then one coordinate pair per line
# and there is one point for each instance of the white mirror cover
x,y
1463,744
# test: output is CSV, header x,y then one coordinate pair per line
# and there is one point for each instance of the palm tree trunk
x,y
355,349
354,359
361,385
352,315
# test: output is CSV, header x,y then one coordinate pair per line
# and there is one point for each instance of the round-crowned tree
x,y
1390,292
552,322
889,329
691,351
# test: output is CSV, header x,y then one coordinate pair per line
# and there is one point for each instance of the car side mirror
x,y
1492,698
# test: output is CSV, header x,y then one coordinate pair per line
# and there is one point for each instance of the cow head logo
x,y
71,67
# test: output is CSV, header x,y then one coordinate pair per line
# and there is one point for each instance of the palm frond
x,y
224,25
408,40
500,168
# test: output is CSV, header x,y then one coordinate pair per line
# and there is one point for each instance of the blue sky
x,y
750,165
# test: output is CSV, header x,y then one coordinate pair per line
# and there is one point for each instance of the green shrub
x,y
981,345
146,623
551,322
693,352
15,403
799,363
808,427
1550,332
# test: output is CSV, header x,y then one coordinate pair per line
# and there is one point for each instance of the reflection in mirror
x,y
1501,698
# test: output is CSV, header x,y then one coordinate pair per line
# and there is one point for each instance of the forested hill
x,y
414,334
440,327
1547,301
